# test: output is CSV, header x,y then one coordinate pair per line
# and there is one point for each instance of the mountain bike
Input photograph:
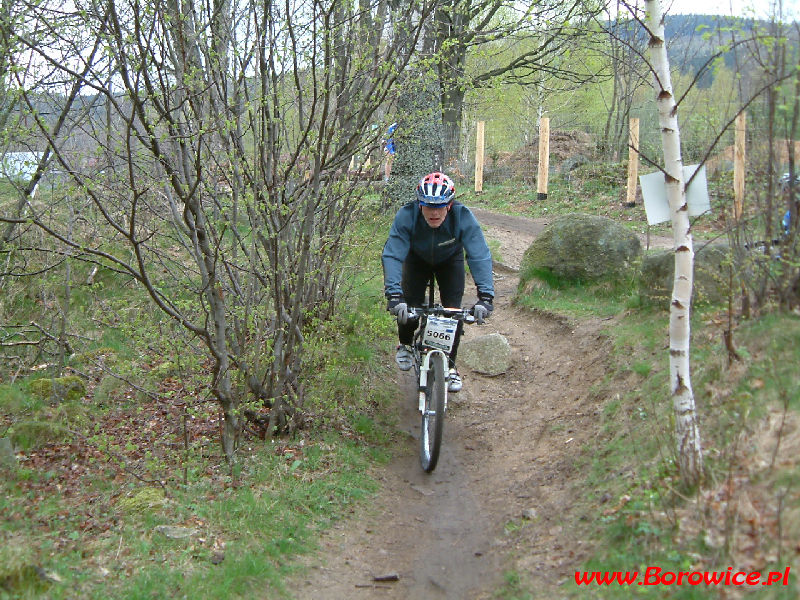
x,y
431,347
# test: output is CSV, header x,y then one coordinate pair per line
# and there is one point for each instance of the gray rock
x,y
582,247
711,279
7,457
572,163
486,354
176,532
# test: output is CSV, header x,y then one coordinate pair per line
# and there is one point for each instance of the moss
x,y
69,388
109,391
142,500
711,284
28,435
581,247
105,352
18,566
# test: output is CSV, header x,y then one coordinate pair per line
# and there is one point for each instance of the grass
x,y
578,300
100,538
246,536
84,515
98,478
646,518
513,588
592,188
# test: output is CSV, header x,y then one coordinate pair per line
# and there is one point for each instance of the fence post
x,y
739,164
479,147
633,161
544,158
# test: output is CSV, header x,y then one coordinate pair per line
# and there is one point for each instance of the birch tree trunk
x,y
690,455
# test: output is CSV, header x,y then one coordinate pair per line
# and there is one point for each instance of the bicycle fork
x,y
424,368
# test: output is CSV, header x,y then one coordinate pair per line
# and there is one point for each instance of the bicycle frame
x,y
424,367
431,367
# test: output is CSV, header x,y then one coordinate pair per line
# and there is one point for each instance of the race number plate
x,y
440,333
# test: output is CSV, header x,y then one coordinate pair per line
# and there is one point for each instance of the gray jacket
x,y
459,232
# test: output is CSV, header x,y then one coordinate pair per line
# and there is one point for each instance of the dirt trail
x,y
508,464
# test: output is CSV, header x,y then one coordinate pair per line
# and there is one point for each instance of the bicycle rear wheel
x,y
430,438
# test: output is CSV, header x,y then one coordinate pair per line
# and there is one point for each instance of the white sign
x,y
654,192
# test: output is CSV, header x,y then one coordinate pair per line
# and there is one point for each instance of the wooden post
x,y
479,146
633,161
544,158
738,165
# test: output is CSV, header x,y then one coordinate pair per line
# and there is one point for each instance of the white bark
x,y
690,455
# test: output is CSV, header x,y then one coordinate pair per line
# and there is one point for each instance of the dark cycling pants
x,y
450,279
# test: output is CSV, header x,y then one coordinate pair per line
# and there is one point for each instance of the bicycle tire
x,y
430,437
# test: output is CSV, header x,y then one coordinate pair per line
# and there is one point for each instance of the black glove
x,y
396,305
483,308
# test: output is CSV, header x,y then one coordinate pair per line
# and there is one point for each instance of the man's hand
x,y
483,308
397,306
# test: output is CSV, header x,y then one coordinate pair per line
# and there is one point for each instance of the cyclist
x,y
428,238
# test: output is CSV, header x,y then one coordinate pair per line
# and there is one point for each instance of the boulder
x,y
59,389
31,434
711,280
142,500
486,354
581,247
7,457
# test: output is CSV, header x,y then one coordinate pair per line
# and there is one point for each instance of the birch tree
x,y
687,431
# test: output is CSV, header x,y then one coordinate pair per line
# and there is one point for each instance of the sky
x,y
761,8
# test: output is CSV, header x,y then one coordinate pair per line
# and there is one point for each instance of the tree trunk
x,y
690,456
452,114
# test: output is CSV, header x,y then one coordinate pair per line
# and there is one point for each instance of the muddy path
x,y
504,494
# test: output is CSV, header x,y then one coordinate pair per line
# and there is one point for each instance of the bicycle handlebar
x,y
461,314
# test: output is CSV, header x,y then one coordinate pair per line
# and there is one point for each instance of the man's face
x,y
434,215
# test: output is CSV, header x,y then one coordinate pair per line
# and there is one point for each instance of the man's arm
x,y
479,257
395,251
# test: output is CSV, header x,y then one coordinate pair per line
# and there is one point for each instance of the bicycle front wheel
x,y
430,438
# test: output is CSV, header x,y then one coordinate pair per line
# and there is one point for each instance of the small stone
x,y
487,354
7,456
175,532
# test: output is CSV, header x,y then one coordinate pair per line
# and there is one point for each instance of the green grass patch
x,y
643,516
202,540
15,400
545,291
247,536
645,520
107,483
512,588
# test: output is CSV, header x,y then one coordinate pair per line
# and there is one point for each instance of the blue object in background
x,y
389,139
